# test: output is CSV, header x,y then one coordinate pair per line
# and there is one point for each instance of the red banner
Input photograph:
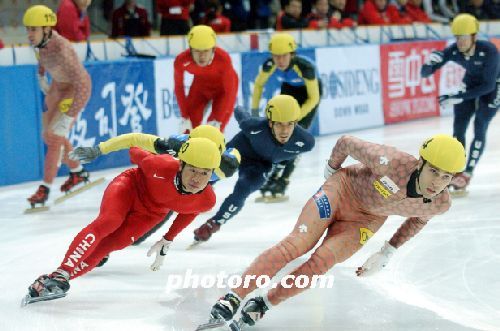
x,y
406,95
496,41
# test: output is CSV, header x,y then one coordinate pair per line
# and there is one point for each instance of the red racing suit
x,y
133,203
216,82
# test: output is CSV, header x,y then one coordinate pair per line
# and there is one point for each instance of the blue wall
x,y
21,146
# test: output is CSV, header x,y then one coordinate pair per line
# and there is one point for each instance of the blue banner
x,y
20,125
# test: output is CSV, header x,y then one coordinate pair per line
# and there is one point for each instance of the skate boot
x,y
225,307
222,314
267,186
40,197
204,232
48,287
103,261
253,310
74,179
459,183
279,187
276,188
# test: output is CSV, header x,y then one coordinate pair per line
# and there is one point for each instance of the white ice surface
x,y
446,278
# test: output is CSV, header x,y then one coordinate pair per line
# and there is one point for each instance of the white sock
x,y
77,169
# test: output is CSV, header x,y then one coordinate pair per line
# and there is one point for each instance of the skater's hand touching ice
x,y
160,248
377,261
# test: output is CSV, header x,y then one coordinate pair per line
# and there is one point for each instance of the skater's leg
x,y
116,204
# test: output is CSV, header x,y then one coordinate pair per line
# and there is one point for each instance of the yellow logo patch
x,y
381,189
65,104
364,235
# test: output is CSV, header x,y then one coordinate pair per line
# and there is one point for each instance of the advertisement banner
x,y
122,101
168,115
406,95
351,88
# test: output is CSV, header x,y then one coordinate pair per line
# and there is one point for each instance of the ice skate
x,y
253,310
75,179
459,183
204,232
39,197
103,261
47,287
222,314
273,191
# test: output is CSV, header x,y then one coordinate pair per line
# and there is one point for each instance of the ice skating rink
x,y
446,278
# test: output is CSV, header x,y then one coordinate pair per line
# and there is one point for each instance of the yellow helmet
x,y
444,152
464,24
283,108
211,133
201,37
282,43
200,153
39,15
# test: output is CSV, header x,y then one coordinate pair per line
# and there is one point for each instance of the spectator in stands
x,y
260,13
130,20
339,17
291,18
72,20
374,12
238,14
322,17
1,44
213,17
479,9
107,7
397,12
416,13
198,11
449,8
438,11
174,16
493,8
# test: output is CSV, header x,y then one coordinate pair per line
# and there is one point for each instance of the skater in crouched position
x,y
133,203
261,142
65,97
351,206
480,96
230,158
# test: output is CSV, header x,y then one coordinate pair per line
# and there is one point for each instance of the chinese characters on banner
x,y
406,95
123,101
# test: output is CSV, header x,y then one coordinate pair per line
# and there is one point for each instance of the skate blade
x,y
271,199
36,210
79,190
459,193
29,300
195,244
221,324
